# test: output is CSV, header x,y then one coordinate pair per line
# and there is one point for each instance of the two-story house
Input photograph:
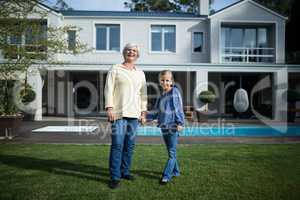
x,y
240,46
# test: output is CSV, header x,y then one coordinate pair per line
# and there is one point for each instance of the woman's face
x,y
166,82
131,54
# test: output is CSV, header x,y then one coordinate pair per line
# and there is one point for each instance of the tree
x,y
163,5
62,5
24,42
281,6
151,5
189,5
289,8
292,35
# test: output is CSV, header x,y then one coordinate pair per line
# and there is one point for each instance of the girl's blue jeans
x,y
172,168
122,146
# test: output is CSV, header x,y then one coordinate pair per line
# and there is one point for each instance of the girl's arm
x,y
178,108
153,114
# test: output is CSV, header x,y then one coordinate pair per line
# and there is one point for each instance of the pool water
x,y
238,131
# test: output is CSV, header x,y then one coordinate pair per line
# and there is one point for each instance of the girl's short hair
x,y
130,46
164,72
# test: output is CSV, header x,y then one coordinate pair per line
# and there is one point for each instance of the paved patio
x,y
26,136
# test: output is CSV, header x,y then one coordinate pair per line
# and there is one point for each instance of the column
x,y
279,90
61,92
35,80
51,92
201,85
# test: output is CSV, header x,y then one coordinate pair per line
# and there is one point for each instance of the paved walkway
x,y
26,136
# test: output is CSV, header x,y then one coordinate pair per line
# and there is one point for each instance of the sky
x,y
118,5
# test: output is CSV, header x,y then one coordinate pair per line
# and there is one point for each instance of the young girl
x,y
169,113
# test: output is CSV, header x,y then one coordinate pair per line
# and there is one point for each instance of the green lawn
x,y
222,172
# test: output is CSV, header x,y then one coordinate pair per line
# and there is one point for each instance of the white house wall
x,y
139,31
246,12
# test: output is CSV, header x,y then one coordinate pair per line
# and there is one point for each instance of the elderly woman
x,y
126,104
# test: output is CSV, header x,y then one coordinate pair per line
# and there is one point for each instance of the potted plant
x,y
10,117
28,95
292,97
205,97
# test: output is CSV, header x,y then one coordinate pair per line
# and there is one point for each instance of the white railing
x,y
32,49
248,55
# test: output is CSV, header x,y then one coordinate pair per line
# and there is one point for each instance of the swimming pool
x,y
234,131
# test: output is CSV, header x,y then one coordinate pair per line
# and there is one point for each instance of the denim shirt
x,y
168,110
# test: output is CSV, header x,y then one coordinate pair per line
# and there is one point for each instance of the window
x,y
107,37
29,42
15,39
197,42
163,38
247,44
35,38
71,39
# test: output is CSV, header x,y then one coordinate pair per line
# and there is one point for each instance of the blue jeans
x,y
172,167
122,146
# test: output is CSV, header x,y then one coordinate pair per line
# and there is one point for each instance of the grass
x,y
215,172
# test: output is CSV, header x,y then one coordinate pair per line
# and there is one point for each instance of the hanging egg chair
x,y
241,100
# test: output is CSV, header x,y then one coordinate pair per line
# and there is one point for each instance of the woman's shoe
x,y
128,177
113,184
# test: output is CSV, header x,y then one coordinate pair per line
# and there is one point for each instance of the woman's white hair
x,y
129,46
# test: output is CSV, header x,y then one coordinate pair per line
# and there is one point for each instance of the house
x,y
240,46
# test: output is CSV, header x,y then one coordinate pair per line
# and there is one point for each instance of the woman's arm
x,y
108,93
143,100
143,95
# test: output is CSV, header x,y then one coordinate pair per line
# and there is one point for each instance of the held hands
x,y
179,128
110,114
142,118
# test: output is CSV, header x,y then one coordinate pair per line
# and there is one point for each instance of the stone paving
x,y
26,136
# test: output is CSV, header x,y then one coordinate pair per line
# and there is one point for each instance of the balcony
x,y
248,43
32,51
248,55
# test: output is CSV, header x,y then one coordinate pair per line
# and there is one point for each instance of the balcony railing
x,y
248,55
32,50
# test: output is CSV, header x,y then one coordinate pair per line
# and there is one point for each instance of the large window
x,y
163,38
107,37
247,44
197,42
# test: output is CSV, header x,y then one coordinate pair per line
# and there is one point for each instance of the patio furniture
x,y
204,115
9,126
240,100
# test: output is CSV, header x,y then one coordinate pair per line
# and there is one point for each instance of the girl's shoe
x,y
163,181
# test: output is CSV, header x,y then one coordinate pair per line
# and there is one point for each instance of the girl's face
x,y
166,82
131,54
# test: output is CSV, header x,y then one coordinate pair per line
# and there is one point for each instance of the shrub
x,y
207,96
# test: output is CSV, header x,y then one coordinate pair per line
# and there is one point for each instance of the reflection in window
x,y
197,42
246,44
108,37
71,39
163,38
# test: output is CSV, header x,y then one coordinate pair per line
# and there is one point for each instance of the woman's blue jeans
x,y
172,167
122,146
